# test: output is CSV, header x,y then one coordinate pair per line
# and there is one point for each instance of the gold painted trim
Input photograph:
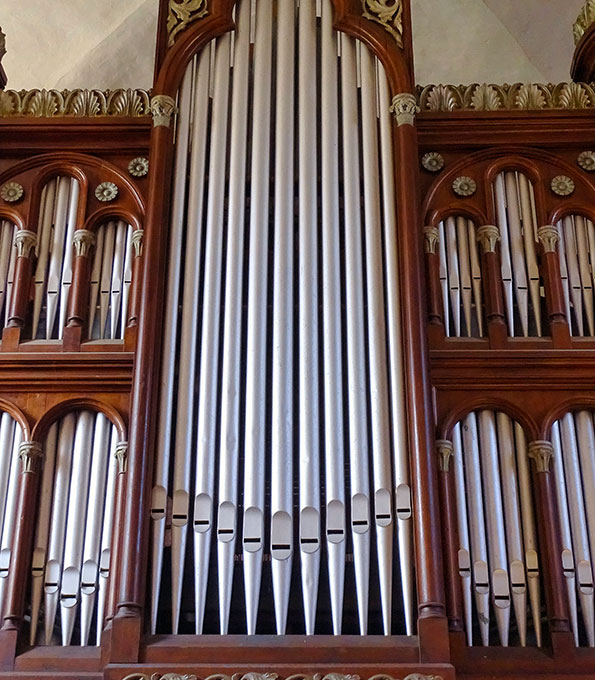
x,y
74,103
387,13
180,675
518,96
181,14
585,18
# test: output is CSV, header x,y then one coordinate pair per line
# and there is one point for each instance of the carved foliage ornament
x,y
404,106
182,13
445,451
31,455
585,18
548,236
274,676
24,242
162,109
487,236
387,13
431,235
541,452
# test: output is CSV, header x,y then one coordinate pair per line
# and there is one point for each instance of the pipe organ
x,y
297,362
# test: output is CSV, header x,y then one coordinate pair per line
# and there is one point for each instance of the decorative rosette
x,y
586,160
11,192
464,186
432,161
562,185
139,167
106,191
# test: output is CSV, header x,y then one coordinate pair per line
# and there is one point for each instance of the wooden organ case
x,y
297,362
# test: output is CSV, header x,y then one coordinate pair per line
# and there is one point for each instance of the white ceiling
x,y
110,43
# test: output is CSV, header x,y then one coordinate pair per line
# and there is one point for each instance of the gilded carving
x,y
548,236
432,161
518,96
464,186
121,455
24,242
585,18
83,240
31,455
181,14
487,236
387,13
162,109
76,103
562,185
11,192
430,240
404,106
586,160
106,191
445,451
139,167
541,452
274,676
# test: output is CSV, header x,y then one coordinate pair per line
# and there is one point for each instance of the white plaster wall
x,y
110,43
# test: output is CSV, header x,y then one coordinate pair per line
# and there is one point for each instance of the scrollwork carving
x,y
181,14
387,13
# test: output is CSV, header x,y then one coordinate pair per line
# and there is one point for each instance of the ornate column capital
x,y
163,108
488,235
541,452
24,242
31,455
404,106
548,236
445,451
137,241
430,240
83,240
121,455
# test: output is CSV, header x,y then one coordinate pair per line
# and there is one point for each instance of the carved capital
x,y
83,240
541,452
445,450
24,242
488,235
163,108
121,455
31,455
387,13
137,241
430,240
404,106
548,237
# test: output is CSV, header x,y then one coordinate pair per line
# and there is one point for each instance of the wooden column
x,y
435,305
432,624
488,236
450,539
127,624
30,453
554,293
24,242
554,580
78,301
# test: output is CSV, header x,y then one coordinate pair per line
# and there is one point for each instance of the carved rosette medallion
x,y
431,235
445,451
387,13
163,108
464,186
562,185
106,192
404,106
139,167
548,236
24,242
586,160
83,240
181,14
11,192
31,455
121,455
541,452
432,161
487,236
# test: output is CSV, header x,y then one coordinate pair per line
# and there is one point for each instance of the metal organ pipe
x,y
497,553
263,336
